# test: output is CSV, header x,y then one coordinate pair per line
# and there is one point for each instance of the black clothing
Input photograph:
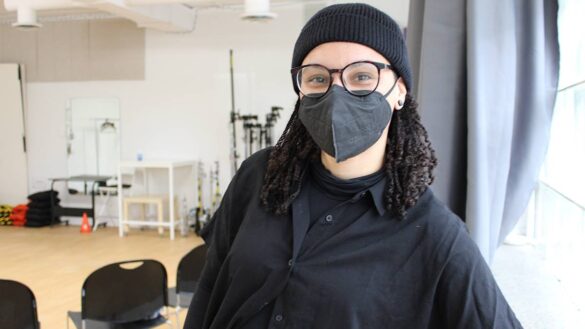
x,y
341,188
327,191
356,267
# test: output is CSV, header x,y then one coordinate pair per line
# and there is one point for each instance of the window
x,y
555,218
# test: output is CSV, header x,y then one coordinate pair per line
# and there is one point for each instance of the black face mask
x,y
344,125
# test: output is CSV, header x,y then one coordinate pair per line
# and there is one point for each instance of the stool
x,y
157,201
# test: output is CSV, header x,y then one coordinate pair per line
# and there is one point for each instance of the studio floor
x,y
54,262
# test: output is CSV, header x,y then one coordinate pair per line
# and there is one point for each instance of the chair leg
x,y
161,230
178,309
183,228
143,213
126,205
168,322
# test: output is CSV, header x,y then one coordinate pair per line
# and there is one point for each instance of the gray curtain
x,y
486,75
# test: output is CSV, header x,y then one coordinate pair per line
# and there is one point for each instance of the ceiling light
x,y
26,19
258,11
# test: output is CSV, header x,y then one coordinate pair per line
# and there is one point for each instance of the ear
x,y
401,97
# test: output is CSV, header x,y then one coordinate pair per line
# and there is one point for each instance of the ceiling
x,y
10,15
198,4
182,16
165,15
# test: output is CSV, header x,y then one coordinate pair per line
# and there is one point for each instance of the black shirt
x,y
327,195
356,267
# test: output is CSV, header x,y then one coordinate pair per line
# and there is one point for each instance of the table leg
x,y
93,190
171,202
52,204
120,218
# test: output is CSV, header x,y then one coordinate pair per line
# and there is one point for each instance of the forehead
x,y
339,54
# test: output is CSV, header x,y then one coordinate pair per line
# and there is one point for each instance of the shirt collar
x,y
377,192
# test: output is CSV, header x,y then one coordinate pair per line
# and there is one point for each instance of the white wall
x,y
182,107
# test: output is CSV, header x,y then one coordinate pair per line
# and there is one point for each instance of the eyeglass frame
x,y
380,66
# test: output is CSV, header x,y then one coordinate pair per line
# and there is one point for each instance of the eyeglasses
x,y
359,78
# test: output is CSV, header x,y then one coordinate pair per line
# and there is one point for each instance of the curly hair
x,y
409,162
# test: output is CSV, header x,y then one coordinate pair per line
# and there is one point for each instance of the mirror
x,y
93,137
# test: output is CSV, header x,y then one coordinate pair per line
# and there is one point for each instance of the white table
x,y
170,165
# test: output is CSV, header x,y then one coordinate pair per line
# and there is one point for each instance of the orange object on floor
x,y
85,228
18,215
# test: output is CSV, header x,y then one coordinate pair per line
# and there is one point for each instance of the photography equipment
x,y
214,183
257,135
267,131
233,118
200,210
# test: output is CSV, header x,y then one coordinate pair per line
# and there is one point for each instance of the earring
x,y
400,104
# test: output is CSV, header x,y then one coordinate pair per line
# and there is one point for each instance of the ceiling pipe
x,y
254,10
14,5
160,2
171,17
168,18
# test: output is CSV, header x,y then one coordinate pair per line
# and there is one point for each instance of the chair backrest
x,y
18,306
125,292
190,268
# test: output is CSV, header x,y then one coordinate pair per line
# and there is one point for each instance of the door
x,y
13,167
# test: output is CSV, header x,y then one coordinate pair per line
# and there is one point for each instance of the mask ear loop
x,y
394,85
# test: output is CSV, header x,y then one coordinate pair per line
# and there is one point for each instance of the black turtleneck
x,y
327,191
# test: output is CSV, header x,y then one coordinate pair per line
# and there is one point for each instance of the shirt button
x,y
290,262
278,317
329,218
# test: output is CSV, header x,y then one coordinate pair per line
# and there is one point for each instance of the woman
x,y
335,226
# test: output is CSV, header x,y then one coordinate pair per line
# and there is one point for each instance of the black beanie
x,y
359,23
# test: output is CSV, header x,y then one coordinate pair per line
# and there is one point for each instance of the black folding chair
x,y
130,294
18,306
188,273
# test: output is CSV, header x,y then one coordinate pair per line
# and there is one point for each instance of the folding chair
x,y
18,306
130,294
188,273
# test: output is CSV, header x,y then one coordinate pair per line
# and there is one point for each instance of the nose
x,y
336,77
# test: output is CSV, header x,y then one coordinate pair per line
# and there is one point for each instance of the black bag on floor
x,y
43,196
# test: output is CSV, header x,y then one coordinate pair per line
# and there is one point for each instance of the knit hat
x,y
359,23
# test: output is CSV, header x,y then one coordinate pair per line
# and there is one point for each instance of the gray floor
x,y
539,299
